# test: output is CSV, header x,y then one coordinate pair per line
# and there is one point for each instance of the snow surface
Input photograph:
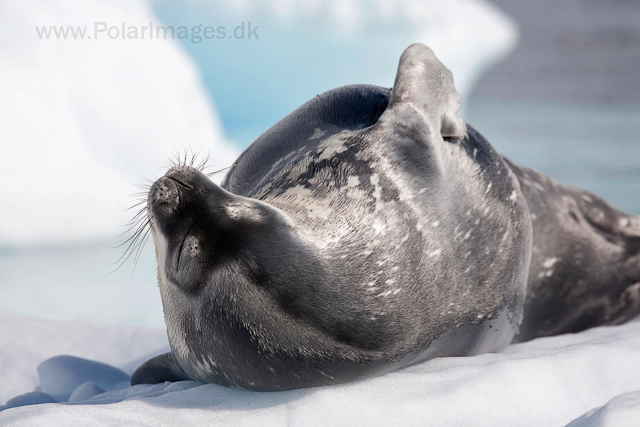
x,y
623,410
592,377
82,121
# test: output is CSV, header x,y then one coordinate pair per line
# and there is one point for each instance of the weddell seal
x,y
368,230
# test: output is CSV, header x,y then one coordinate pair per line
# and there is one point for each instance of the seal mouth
x,y
180,182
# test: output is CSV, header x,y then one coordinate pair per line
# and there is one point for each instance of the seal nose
x,y
164,194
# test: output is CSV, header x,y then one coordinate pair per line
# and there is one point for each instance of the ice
x,y
82,121
311,46
85,391
31,398
61,375
549,381
25,342
621,411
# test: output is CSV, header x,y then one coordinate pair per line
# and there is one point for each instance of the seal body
x,y
368,230
585,267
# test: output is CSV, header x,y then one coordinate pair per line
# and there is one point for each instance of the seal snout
x,y
164,194
167,192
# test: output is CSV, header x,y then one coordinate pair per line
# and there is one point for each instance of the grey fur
x,y
585,267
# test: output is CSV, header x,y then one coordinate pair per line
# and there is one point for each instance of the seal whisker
x,y
139,222
139,214
133,224
174,160
194,154
134,244
203,164
139,194
135,235
220,170
139,250
136,204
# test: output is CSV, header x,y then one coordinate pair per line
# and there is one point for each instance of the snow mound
x,y
621,411
62,376
31,398
81,121
85,391
549,381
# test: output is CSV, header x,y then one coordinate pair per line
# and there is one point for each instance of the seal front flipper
x,y
158,370
425,86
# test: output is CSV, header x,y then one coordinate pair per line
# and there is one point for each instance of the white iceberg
x,y
81,121
311,46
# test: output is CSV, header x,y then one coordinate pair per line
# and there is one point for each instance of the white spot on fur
x,y
317,133
379,227
587,198
330,147
377,190
319,209
353,181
